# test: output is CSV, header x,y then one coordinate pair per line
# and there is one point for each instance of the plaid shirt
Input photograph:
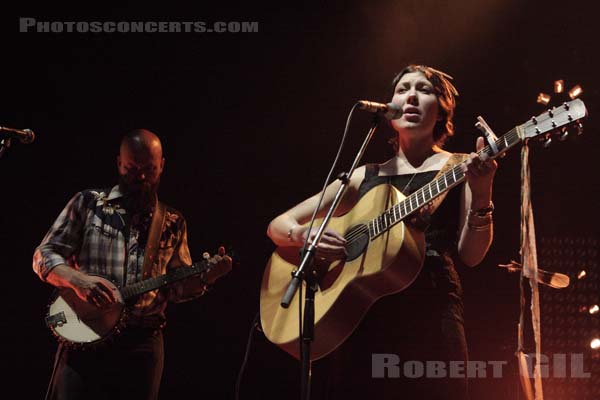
x,y
95,235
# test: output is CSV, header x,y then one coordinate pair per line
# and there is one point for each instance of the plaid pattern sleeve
x,y
63,239
87,235
191,288
94,234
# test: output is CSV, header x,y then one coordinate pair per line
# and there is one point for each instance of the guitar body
x,y
78,322
375,267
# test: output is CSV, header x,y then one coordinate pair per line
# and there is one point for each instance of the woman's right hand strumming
x,y
89,288
331,247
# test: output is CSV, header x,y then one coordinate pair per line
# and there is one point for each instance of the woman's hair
x,y
445,92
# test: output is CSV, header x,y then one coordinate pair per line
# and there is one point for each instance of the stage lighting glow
x,y
594,309
595,344
575,91
559,86
544,98
581,274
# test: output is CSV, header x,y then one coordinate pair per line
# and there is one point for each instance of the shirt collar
x,y
114,193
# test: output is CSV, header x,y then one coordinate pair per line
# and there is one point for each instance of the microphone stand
x,y
306,271
26,136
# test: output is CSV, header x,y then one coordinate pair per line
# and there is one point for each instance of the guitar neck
x,y
157,282
435,188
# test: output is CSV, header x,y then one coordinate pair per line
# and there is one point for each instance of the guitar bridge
x,y
56,320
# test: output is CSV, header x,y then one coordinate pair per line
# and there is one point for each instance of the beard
x,y
138,197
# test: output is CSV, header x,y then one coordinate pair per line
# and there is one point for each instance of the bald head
x,y
141,141
140,163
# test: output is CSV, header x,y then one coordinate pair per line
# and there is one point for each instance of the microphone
x,y
389,110
26,136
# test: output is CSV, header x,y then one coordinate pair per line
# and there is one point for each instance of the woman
x,y
425,321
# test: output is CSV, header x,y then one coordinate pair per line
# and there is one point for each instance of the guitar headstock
x,y
555,120
218,265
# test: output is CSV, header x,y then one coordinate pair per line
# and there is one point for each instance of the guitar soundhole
x,y
357,240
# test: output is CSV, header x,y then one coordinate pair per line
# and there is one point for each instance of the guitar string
x,y
409,199
454,175
451,175
355,235
502,143
414,196
359,232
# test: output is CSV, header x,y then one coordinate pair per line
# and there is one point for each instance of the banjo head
x,y
78,322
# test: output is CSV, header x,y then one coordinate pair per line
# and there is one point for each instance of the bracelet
x,y
290,231
483,212
480,228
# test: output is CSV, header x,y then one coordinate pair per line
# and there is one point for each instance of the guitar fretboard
x,y
150,284
433,189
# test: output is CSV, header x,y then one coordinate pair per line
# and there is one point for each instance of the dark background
x,y
250,123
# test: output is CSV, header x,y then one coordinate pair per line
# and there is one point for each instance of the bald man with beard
x,y
103,233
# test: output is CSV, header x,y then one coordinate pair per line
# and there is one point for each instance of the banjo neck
x,y
177,274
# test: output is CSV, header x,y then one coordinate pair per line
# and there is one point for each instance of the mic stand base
x,y
308,328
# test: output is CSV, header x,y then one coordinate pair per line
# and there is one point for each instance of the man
x,y
106,233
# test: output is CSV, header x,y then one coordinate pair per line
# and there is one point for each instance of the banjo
x,y
76,322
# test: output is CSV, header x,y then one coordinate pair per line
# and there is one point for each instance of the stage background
x,y
250,123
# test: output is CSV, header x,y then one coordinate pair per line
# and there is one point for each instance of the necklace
x,y
389,179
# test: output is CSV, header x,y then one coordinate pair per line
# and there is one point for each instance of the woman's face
x,y
415,96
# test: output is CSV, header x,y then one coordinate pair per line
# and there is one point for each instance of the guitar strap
x,y
156,228
454,160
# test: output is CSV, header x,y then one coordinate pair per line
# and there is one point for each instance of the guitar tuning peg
x,y
547,143
563,135
579,128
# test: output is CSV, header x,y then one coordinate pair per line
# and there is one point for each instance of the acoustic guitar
x,y
384,255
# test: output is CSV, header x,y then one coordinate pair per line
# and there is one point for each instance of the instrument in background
x,y
79,323
385,255
555,280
